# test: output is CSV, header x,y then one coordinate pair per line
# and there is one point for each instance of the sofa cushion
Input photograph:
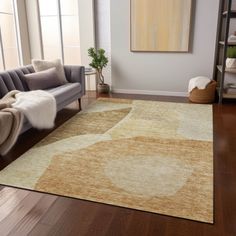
x,y
41,65
65,91
43,80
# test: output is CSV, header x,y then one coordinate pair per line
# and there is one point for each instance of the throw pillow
x,y
41,65
43,80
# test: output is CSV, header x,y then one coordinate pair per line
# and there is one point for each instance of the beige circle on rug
x,y
153,176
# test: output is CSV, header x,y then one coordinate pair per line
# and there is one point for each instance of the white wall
x,y
87,37
87,32
103,32
232,28
161,73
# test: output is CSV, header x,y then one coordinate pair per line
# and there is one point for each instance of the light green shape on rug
x,y
101,106
166,120
25,171
154,176
195,123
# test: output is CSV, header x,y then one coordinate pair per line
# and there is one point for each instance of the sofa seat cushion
x,y
65,91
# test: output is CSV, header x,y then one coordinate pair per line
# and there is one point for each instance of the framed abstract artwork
x,y
160,25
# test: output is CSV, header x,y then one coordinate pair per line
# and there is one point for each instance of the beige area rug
x,y
146,155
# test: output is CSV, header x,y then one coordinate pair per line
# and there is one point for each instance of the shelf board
x,y
232,71
229,43
232,14
231,85
227,95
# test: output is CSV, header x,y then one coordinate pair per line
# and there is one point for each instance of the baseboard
x,y
151,92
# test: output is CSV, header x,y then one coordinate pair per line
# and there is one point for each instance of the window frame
x,y
59,19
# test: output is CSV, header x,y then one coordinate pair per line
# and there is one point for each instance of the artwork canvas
x,y
160,25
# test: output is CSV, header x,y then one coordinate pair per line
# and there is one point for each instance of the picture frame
x,y
160,25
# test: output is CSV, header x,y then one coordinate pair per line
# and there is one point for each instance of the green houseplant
x,y
231,58
99,62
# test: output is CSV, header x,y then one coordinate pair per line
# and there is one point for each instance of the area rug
x,y
146,155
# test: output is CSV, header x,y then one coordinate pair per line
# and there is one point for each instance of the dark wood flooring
x,y
30,213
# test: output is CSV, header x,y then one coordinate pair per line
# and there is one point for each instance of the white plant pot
x,y
231,63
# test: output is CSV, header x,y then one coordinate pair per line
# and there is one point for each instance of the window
x,y
9,56
50,29
60,30
70,31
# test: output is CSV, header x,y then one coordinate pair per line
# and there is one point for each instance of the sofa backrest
x,y
14,79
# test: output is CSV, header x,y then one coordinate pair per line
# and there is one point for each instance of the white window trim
x,y
17,32
40,30
60,30
2,51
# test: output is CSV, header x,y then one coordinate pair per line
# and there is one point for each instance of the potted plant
x,y
99,62
231,58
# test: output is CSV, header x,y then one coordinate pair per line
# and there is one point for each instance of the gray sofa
x,y
64,94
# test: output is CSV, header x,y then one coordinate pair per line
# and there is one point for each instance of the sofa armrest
x,y
76,74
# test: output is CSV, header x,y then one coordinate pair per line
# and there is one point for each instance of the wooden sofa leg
x,y
80,107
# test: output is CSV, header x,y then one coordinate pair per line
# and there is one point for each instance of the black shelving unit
x,y
225,15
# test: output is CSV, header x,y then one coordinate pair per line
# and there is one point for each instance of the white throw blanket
x,y
198,82
38,106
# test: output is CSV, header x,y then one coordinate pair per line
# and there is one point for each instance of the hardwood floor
x,y
30,213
